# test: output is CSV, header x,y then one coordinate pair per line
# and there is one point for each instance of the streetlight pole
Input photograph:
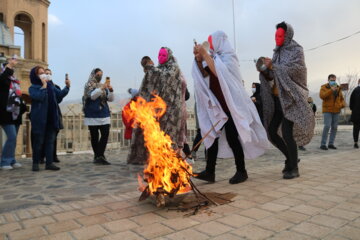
x,y
234,25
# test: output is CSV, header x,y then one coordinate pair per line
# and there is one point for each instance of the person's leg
x,y
197,140
273,129
292,162
356,130
327,125
37,144
104,130
209,173
186,149
94,136
49,141
334,126
212,156
14,163
55,148
232,137
8,151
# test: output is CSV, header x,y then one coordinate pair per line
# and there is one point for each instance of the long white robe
x,y
252,134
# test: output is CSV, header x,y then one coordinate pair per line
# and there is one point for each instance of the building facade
x,y
31,16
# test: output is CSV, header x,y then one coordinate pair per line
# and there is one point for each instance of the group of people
x,y
233,125
45,115
279,111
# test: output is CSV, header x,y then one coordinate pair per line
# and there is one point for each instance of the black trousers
x,y
232,137
186,149
55,149
197,139
286,144
356,130
98,144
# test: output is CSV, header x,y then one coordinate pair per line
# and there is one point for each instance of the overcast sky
x,y
115,34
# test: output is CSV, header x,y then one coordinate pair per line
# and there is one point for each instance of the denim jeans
x,y
45,140
8,151
331,121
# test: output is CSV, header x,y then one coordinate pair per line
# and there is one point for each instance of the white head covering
x,y
221,43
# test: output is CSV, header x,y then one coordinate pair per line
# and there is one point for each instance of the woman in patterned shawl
x,y
284,95
166,81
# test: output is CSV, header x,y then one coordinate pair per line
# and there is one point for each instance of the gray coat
x,y
290,76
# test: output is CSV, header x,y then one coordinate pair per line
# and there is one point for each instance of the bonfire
x,y
166,172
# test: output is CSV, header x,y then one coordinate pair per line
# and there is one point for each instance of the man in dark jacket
x,y
355,115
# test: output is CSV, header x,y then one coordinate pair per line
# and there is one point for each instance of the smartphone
x,y
107,80
66,76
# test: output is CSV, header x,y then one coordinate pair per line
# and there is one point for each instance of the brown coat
x,y
333,102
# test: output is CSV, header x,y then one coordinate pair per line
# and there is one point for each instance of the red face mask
x,y
211,42
280,37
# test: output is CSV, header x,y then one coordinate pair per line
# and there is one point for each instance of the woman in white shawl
x,y
221,98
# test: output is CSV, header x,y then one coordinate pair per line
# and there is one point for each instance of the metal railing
x,y
75,136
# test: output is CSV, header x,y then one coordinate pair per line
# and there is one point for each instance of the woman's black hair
x,y
97,70
282,25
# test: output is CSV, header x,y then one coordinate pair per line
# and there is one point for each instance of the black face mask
x,y
98,78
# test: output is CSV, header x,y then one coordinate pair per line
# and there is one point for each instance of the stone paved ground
x,y
83,201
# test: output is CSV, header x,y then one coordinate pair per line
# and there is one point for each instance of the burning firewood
x,y
166,173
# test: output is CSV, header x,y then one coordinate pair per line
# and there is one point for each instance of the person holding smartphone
x,y
48,73
44,116
11,109
97,113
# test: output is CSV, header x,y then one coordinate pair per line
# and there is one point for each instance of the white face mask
x,y
49,77
43,76
253,90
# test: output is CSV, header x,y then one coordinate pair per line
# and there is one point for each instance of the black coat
x,y
258,102
5,116
355,105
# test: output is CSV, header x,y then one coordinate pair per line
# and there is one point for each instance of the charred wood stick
x,y
203,195
196,189
207,134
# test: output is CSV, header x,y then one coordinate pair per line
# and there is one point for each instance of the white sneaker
x,y
6,167
17,165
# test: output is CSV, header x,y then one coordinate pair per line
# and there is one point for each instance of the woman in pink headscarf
x,y
167,81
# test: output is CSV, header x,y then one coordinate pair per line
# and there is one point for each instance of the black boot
x,y
52,167
206,176
97,161
104,161
56,160
294,173
286,167
35,168
239,177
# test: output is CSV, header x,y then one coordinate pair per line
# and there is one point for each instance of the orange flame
x,y
165,171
